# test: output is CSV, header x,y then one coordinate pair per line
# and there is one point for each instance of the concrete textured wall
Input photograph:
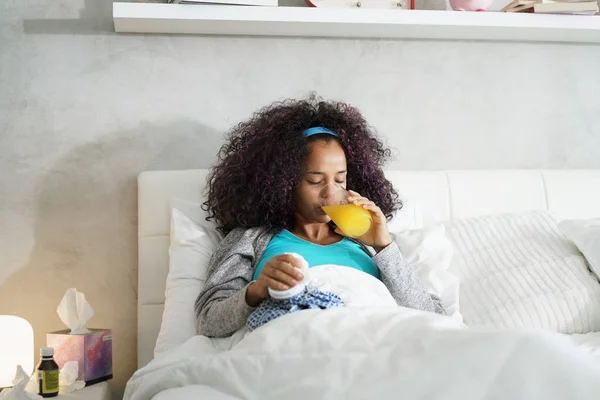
x,y
83,111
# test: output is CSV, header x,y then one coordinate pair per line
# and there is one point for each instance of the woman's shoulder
x,y
240,233
245,240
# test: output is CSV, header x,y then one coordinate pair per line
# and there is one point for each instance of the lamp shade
x,y
16,348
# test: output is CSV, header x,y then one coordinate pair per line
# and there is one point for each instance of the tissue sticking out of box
x,y
75,311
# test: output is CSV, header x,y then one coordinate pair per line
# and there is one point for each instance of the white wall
x,y
83,111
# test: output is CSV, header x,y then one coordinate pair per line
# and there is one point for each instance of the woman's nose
x,y
328,192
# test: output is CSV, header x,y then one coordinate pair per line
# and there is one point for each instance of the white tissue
x,y
75,311
67,379
291,292
22,388
303,263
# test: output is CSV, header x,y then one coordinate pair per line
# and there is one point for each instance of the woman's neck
x,y
318,233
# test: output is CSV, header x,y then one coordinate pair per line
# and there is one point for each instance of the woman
x,y
264,195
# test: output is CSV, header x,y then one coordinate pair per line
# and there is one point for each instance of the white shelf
x,y
355,23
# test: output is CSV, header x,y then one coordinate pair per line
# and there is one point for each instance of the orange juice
x,y
353,220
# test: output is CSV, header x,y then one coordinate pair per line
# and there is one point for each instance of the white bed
x,y
438,195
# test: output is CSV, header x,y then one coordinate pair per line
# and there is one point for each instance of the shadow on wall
x,y
86,231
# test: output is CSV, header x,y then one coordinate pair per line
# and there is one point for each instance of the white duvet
x,y
370,350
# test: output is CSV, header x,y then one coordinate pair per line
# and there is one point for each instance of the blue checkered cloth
x,y
309,299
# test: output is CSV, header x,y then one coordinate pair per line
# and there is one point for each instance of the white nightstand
x,y
98,391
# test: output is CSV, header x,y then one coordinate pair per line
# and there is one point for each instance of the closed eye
x,y
318,183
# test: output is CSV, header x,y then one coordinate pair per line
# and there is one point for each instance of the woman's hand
x,y
378,235
279,273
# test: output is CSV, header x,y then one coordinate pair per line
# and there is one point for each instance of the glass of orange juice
x,y
353,220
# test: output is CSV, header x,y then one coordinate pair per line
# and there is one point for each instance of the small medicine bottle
x,y
47,373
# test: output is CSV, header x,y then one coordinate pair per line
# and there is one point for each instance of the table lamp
x,y
16,348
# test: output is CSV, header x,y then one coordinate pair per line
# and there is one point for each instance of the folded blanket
x,y
309,299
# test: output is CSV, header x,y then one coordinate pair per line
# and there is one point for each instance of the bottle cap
x,y
47,352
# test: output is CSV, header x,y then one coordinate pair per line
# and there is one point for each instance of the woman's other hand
x,y
279,273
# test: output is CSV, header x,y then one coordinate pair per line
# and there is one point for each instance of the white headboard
x,y
440,195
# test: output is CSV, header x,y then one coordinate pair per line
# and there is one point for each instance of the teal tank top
x,y
345,252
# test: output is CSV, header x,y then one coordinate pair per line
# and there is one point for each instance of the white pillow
x,y
430,253
192,245
410,216
585,234
519,271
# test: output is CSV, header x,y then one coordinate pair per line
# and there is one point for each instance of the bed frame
x,y
438,195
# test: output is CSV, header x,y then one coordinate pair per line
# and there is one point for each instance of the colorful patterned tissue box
x,y
92,351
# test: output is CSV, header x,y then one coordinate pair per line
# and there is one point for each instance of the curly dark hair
x,y
259,166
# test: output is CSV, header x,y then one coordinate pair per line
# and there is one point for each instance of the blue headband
x,y
316,130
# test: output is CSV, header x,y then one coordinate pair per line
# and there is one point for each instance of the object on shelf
x,y
552,7
90,348
68,377
47,373
23,387
364,4
352,23
470,5
16,347
267,3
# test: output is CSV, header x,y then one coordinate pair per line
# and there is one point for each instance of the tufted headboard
x,y
437,195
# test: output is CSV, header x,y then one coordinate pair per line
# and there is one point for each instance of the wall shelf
x,y
352,23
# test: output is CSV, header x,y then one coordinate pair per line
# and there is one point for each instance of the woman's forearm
x,y
222,316
255,294
402,281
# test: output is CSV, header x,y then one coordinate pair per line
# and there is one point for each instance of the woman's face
x,y
326,164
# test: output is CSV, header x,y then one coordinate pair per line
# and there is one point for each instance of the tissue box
x,y
92,351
